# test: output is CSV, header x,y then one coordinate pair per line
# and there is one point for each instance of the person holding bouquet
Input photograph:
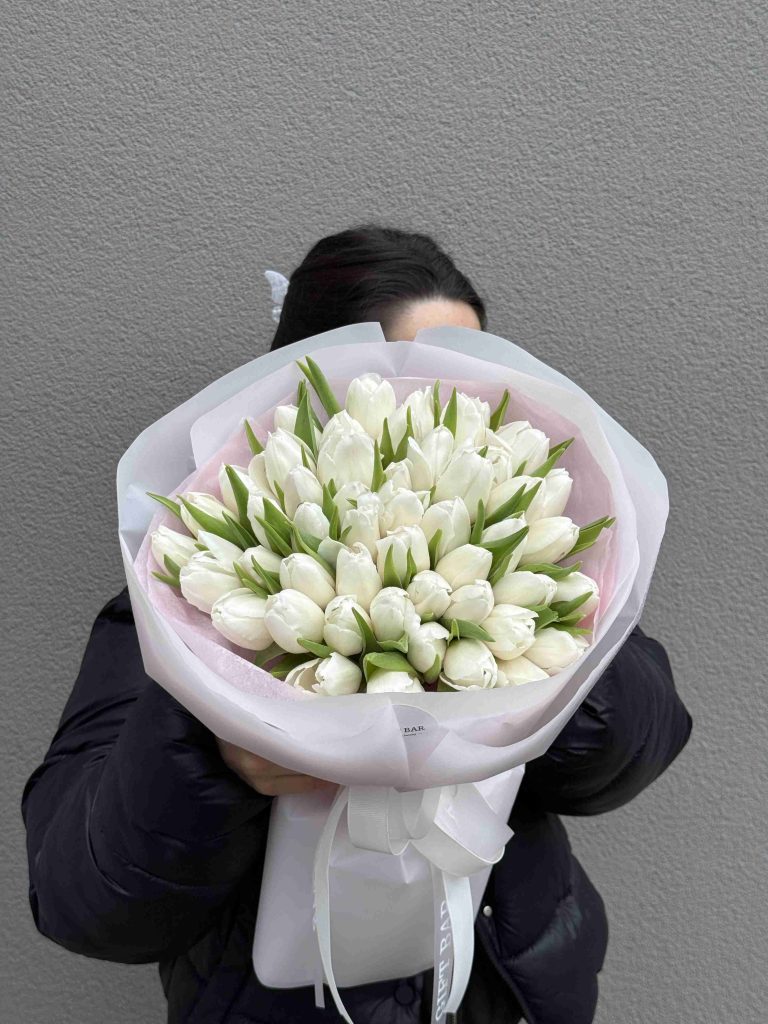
x,y
146,833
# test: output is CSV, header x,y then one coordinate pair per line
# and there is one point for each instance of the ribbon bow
x,y
458,833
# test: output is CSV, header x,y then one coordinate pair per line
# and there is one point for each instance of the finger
x,y
284,785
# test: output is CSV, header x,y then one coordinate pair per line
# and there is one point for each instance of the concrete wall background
x,y
597,169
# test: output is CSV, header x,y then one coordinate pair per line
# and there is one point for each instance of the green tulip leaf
x,y
171,505
389,661
253,442
497,416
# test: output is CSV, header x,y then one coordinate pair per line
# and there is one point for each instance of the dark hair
x,y
367,273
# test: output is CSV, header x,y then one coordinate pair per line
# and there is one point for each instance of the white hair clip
x,y
279,285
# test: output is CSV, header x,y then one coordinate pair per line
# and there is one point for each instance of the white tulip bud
x,y
204,579
178,546
310,519
573,586
472,419
255,511
257,471
301,485
341,424
355,491
227,494
370,400
397,423
524,443
469,665
224,550
555,649
518,671
525,589
357,575
471,602
502,492
384,681
552,496
344,458
399,507
337,676
549,540
506,528
512,628
422,409
329,550
239,616
267,559
502,460
465,564
361,526
397,474
285,418
467,476
303,676
282,453
205,503
451,518
427,459
427,645
292,616
341,631
304,573
400,542
392,614
430,593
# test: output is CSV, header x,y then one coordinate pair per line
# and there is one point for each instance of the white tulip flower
x,y
465,564
471,602
303,676
555,649
430,593
329,550
472,419
301,485
397,474
427,645
285,418
239,616
224,550
422,409
512,628
573,586
370,400
304,573
205,503
282,453
227,494
345,458
400,542
204,579
399,507
292,616
341,424
361,526
548,540
469,665
265,557
518,671
506,528
255,511
341,631
451,518
524,443
257,471
467,476
177,546
392,614
552,496
384,681
524,588
310,519
337,676
428,458
356,574
355,491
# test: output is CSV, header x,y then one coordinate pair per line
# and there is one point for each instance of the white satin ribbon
x,y
458,833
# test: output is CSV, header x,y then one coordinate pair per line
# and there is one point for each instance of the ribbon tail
x,y
458,897
322,909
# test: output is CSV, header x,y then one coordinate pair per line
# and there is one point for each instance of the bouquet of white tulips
x,y
393,548
335,522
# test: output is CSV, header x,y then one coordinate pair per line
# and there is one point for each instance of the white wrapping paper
x,y
360,740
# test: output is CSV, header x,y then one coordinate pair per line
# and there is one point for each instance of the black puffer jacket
x,y
143,846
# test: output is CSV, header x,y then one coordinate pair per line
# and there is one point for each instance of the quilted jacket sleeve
x,y
626,733
137,832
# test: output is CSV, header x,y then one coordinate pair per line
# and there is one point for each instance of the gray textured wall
x,y
599,170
